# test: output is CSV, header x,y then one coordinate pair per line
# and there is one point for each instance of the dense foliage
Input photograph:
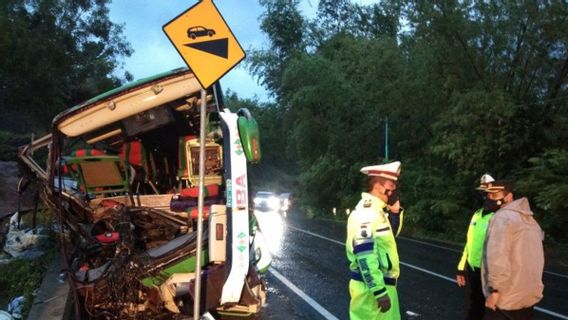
x,y
55,53
9,143
468,87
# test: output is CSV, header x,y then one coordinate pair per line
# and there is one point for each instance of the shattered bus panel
x,y
122,178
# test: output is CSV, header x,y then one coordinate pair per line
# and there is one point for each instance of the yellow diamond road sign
x,y
205,42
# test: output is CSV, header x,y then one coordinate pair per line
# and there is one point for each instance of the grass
x,y
21,277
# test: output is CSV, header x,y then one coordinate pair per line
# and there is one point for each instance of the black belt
x,y
357,277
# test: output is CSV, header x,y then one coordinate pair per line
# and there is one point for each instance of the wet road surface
x,y
309,277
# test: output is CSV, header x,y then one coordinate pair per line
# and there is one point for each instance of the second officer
x,y
371,246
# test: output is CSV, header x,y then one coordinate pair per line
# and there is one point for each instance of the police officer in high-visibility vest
x,y
371,246
469,267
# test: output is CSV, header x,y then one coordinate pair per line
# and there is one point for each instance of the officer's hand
x,y
395,207
461,280
384,303
491,301
393,197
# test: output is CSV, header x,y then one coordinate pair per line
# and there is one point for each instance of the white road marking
x,y
428,272
556,274
326,314
459,251
317,235
552,313
429,244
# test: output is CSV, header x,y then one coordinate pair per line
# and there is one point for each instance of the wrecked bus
x,y
122,179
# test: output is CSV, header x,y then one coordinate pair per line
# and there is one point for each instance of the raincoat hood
x,y
520,205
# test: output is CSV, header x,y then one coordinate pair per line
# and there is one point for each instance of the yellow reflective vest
x,y
371,246
473,250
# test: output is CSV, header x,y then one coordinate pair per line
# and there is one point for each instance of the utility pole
x,y
386,139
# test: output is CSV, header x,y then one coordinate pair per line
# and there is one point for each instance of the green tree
x,y
284,25
55,53
343,16
468,87
544,182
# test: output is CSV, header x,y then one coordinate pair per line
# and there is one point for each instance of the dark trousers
x,y
475,301
521,314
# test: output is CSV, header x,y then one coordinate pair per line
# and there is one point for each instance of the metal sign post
x,y
197,293
208,46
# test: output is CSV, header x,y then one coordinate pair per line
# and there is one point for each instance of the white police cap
x,y
486,178
389,170
484,181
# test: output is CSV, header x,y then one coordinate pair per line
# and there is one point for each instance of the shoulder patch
x,y
364,216
363,232
367,203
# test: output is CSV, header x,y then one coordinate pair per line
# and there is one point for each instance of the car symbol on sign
x,y
199,31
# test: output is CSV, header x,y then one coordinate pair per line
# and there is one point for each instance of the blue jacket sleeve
x,y
396,221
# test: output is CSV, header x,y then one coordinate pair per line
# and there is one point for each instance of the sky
x,y
153,53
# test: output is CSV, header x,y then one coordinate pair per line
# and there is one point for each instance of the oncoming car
x,y
265,200
286,201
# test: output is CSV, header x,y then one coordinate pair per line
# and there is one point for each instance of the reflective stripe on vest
x,y
357,277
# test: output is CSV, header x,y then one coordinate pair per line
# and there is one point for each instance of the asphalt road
x,y
309,278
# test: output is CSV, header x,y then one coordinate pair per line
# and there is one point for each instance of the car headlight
x,y
274,203
285,204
